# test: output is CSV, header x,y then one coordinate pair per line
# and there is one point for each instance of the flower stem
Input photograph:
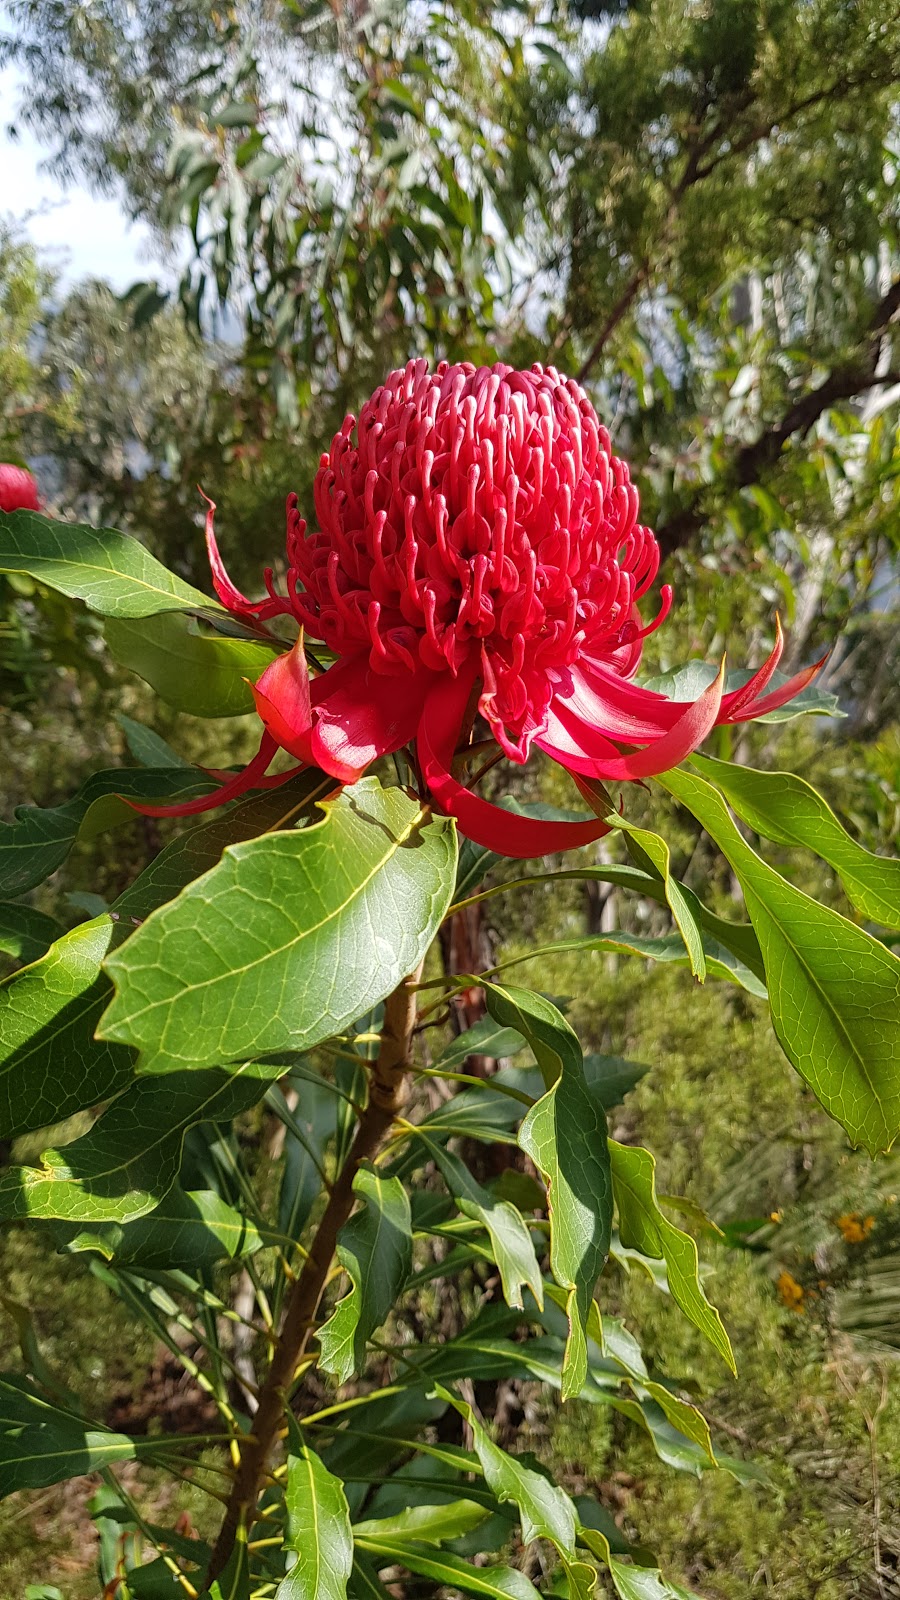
x,y
386,1093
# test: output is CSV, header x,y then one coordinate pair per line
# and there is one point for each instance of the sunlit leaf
x,y
333,916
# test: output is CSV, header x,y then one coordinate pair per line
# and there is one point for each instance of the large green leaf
x,y
40,1443
645,1228
788,810
318,1529
111,572
564,1134
130,1158
188,1231
192,668
41,837
545,1510
50,1062
834,991
496,1583
375,1250
511,1243
290,938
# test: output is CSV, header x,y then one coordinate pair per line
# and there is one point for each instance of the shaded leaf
x,y
375,1250
50,1063
498,1583
130,1158
41,1443
194,670
545,1510
41,837
149,749
188,1231
26,934
356,897
484,1038
511,1244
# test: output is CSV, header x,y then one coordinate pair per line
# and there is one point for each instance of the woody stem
x,y
386,1093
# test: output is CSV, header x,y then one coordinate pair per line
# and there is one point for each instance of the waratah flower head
x,y
478,516
477,547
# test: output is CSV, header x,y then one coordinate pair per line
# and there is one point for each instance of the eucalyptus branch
x,y
387,1077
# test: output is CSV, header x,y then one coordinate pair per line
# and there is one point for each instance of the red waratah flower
x,y
18,490
477,548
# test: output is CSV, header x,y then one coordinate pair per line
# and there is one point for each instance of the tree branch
x,y
752,460
386,1092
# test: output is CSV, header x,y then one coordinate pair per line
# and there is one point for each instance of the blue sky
x,y
80,234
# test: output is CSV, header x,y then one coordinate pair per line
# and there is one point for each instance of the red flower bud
x,y
18,490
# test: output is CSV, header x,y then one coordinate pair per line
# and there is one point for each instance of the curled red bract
x,y
477,548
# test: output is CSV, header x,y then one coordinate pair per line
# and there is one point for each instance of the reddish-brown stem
x,y
386,1091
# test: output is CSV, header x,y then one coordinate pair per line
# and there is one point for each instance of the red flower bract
x,y
477,547
18,490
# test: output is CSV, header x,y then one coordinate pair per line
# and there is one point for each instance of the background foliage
x,y
693,207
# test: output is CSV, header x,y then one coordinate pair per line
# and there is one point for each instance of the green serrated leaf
x,y
192,669
318,1529
359,894
564,1134
834,991
788,810
643,1227
130,1158
111,572
511,1244
497,1583
545,1510
375,1250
